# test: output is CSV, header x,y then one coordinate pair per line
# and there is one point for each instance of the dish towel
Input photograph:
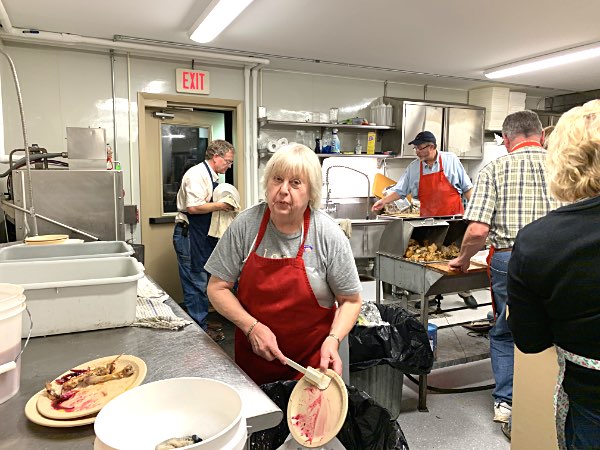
x,y
151,311
346,226
220,220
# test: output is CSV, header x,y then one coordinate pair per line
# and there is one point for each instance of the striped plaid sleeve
x,y
483,202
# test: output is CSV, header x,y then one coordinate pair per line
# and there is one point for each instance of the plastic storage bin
x,y
71,295
84,250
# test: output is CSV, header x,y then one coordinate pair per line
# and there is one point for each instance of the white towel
x,y
220,220
346,226
151,311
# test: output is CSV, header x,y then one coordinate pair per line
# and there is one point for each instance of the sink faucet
x,y
327,207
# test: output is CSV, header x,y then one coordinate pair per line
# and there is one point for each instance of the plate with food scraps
x,y
33,414
86,388
315,417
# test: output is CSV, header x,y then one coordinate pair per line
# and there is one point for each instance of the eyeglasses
x,y
229,162
422,148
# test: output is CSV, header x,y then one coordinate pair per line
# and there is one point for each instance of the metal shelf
x,y
340,126
266,153
362,155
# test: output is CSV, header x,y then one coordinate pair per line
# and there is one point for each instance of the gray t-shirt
x,y
327,254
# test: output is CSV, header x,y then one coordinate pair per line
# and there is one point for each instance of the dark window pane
x,y
182,147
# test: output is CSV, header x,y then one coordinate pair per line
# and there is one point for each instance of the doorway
x,y
171,142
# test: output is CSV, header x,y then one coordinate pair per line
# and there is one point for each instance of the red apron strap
x,y
489,272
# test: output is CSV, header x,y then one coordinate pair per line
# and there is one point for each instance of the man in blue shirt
x,y
438,179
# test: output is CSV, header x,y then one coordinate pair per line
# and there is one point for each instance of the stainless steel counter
x,y
168,354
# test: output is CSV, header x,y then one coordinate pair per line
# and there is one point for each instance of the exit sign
x,y
192,81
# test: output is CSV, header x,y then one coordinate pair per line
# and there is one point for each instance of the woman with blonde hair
x,y
298,293
554,277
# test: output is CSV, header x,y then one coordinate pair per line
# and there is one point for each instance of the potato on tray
x,y
430,252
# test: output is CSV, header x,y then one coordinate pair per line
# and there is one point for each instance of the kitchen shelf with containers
x,y
354,137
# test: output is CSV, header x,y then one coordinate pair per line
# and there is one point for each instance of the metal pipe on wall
x,y
254,137
25,142
247,134
114,101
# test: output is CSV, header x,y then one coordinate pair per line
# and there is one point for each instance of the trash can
x,y
381,355
368,425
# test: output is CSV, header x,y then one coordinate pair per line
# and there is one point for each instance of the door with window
x,y
172,145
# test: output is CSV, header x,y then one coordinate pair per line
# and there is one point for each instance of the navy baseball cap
x,y
422,137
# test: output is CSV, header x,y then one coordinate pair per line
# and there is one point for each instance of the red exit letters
x,y
192,81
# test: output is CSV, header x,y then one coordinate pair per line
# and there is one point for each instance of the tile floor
x,y
454,421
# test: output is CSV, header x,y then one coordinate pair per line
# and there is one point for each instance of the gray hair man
x,y
510,192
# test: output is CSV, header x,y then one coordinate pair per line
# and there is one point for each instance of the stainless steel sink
x,y
366,235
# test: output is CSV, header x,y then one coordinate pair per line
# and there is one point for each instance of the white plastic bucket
x,y
10,295
152,413
11,303
10,348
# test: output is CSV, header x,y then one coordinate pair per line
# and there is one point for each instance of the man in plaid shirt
x,y
510,192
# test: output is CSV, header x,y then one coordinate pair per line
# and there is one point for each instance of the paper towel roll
x,y
272,146
281,142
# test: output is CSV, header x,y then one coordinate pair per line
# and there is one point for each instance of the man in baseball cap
x,y
438,179
422,138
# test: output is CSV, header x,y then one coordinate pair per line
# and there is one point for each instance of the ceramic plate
x,y
315,417
32,414
90,399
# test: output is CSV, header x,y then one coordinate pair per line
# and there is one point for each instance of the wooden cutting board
x,y
380,182
443,267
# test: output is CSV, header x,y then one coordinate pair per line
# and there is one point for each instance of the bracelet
x,y
250,329
335,337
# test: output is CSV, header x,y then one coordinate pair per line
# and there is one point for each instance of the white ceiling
x,y
452,38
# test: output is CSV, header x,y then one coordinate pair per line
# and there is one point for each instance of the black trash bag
x,y
273,438
403,344
368,425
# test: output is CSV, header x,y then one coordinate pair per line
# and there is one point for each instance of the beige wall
x,y
72,88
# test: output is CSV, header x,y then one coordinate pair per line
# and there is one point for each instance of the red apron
x,y
437,196
278,294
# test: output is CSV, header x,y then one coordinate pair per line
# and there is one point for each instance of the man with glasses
x,y
192,243
439,180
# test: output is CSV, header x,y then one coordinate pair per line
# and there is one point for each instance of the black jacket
x,y
554,291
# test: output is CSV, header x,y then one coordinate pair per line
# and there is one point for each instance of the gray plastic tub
x,y
71,295
101,249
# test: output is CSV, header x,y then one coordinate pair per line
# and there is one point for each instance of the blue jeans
x,y
193,283
582,428
502,346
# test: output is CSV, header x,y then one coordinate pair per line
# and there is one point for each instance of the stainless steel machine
x,y
87,200
76,196
426,279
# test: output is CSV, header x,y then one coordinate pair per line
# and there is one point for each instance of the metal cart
x,y
427,279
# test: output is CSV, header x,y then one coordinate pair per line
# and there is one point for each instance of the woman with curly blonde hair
x,y
554,277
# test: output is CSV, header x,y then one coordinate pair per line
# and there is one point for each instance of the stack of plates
x,y
46,239
83,407
495,102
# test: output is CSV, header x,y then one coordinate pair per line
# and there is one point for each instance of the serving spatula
x,y
315,376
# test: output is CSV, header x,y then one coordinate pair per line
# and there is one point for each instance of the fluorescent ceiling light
x,y
215,18
544,62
